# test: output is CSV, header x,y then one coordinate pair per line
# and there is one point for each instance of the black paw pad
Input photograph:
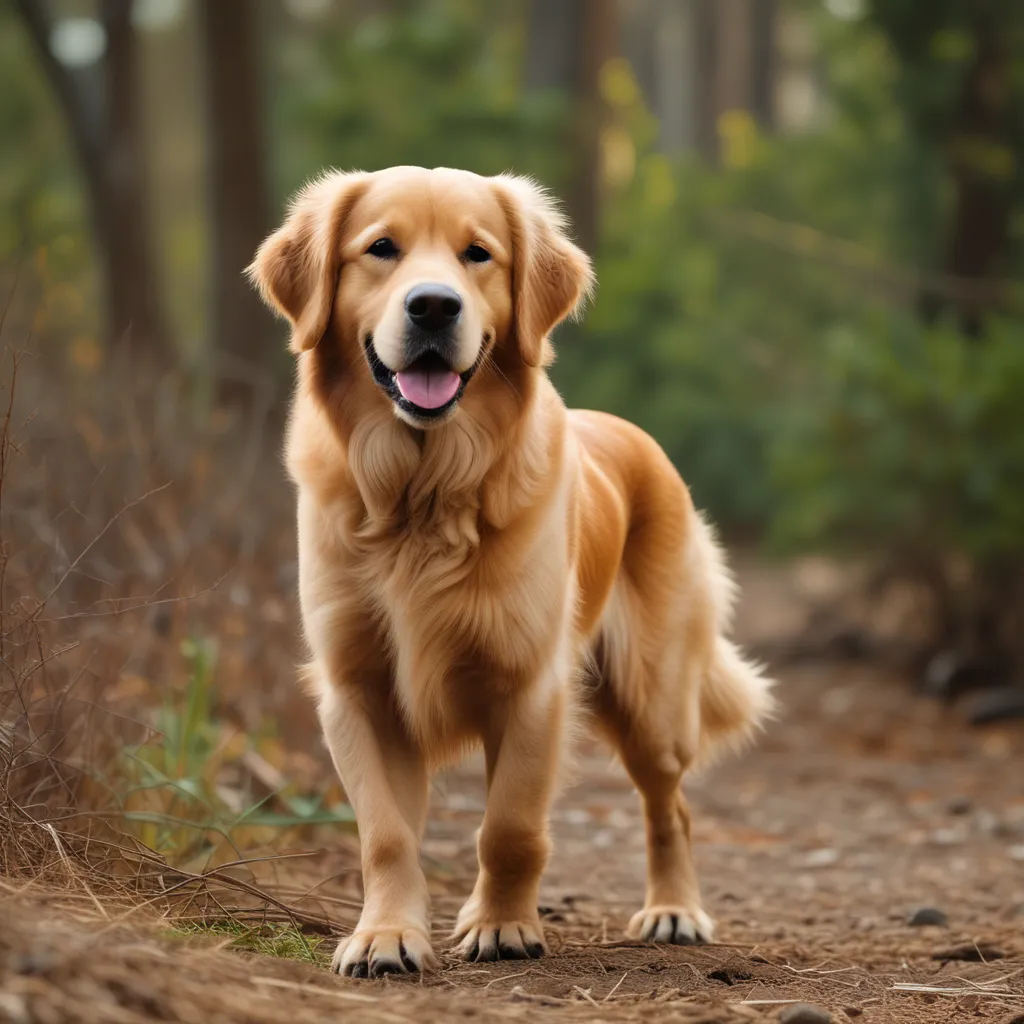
x,y
381,967
407,961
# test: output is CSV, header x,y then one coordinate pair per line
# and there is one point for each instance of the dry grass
x,y
146,657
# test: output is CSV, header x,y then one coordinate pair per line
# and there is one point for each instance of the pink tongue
x,y
429,389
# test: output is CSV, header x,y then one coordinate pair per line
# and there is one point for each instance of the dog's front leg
x,y
500,920
386,781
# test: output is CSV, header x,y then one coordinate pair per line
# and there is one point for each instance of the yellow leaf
x,y
86,354
618,156
617,83
737,131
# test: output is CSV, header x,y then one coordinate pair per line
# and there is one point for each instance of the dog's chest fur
x,y
468,590
457,639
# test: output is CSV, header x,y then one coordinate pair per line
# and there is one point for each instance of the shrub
x,y
912,450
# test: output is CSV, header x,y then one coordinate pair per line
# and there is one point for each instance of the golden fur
x,y
475,580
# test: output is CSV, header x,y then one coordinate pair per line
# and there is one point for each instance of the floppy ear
x,y
296,269
551,277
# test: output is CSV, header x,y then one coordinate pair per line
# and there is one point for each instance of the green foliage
x,y
913,445
277,940
188,792
43,243
435,86
718,286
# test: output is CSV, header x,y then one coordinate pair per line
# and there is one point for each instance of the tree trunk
x,y
639,22
242,331
980,230
553,49
762,99
568,43
657,37
133,299
597,42
676,61
103,124
733,55
705,30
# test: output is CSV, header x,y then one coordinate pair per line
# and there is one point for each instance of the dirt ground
x,y
860,805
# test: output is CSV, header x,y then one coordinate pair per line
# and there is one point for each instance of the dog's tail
x,y
735,701
735,696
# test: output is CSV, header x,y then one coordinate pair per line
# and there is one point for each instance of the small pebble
x,y
852,1011
804,1013
822,858
927,916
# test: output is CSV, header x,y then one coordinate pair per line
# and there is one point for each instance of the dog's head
x,y
415,277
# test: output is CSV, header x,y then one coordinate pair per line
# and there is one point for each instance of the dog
x,y
476,562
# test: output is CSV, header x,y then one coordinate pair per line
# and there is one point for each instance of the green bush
x,y
913,446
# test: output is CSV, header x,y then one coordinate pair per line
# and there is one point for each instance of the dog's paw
x,y
481,939
374,952
676,925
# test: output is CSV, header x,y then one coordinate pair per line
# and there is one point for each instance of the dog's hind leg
x,y
656,758
648,705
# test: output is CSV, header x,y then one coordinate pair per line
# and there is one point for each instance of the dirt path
x,y
860,805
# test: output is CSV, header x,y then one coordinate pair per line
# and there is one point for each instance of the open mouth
x,y
427,388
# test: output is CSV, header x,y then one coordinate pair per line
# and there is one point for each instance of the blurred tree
x,y
734,55
553,50
568,44
705,15
239,192
437,87
671,61
764,59
100,105
962,84
736,61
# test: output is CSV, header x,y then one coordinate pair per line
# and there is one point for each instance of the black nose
x,y
433,306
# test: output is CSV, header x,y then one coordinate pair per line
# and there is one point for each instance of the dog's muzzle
x,y
428,385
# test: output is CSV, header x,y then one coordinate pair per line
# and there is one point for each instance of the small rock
x,y
927,916
852,1011
997,705
822,858
948,836
804,1013
960,805
14,1008
40,962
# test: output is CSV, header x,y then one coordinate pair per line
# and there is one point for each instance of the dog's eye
x,y
476,254
384,249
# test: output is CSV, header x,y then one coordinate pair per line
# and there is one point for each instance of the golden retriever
x,y
477,561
